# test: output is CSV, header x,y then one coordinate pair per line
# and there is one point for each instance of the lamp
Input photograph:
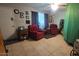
x,y
54,7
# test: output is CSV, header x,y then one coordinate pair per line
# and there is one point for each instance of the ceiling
x,y
38,6
34,5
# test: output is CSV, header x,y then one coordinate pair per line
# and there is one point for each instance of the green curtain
x,y
71,23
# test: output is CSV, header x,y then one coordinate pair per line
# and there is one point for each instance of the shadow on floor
x,y
15,40
12,41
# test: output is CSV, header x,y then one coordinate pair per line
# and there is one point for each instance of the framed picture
x,y
21,15
27,17
27,21
26,12
50,19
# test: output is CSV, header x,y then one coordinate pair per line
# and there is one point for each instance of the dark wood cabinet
x,y
23,34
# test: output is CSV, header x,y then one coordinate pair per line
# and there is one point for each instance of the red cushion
x,y
40,35
54,29
34,29
53,26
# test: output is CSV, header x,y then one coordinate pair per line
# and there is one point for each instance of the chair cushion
x,y
54,29
36,33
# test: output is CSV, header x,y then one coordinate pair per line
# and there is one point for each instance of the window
x,y
41,20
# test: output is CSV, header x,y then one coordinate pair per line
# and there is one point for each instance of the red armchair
x,y
53,29
34,32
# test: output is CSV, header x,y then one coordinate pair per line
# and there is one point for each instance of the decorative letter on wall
x,y
21,15
16,11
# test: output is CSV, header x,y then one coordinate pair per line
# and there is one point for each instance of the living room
x,y
36,29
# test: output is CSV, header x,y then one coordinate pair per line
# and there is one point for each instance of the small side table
x,y
23,34
47,31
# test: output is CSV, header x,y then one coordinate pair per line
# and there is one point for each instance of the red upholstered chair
x,y
34,32
53,29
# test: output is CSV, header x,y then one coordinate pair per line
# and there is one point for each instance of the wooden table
x,y
2,48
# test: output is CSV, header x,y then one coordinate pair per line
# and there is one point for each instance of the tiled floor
x,y
55,46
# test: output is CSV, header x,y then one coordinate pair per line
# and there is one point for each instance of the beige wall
x,y
21,21
6,24
58,16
